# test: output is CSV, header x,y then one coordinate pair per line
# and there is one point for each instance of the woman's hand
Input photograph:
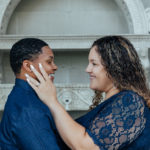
x,y
44,87
73,134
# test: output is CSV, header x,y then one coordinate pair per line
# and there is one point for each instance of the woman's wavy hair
x,y
123,66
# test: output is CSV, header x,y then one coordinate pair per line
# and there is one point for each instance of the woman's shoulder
x,y
130,94
129,98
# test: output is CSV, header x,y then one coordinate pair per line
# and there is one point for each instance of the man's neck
x,y
21,77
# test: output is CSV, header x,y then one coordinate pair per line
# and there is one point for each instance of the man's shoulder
x,y
18,91
17,97
17,100
21,102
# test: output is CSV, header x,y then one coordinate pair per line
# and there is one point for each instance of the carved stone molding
x,y
133,10
147,11
72,42
135,15
77,97
6,9
1,66
72,97
4,91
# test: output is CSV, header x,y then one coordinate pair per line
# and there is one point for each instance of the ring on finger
x,y
37,84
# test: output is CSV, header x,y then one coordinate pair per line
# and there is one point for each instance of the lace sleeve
x,y
119,122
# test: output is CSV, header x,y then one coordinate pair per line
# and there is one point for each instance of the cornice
x,y
65,43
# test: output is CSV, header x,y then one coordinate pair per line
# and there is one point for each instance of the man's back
x,y
27,123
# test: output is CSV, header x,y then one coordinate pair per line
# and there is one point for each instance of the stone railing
x,y
72,42
72,97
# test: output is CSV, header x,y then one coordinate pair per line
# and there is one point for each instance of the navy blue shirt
x,y
27,123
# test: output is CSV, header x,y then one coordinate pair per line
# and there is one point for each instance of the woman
x,y
122,120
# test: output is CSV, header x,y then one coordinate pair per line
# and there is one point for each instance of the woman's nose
x,y
88,69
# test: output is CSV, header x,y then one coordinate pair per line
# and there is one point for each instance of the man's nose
x,y
55,67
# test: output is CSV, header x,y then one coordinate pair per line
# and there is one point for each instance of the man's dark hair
x,y
25,49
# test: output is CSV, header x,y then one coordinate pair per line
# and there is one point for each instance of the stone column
x,y
1,67
145,60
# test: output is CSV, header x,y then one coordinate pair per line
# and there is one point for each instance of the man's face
x,y
46,58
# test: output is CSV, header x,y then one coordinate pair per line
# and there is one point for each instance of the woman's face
x,y
98,75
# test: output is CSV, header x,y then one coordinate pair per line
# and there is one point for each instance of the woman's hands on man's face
x,y
44,87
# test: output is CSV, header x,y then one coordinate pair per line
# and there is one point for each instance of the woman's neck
x,y
111,92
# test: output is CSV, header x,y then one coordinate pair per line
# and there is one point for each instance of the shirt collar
x,y
23,84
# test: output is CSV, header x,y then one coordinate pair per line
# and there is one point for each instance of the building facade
x,y
70,27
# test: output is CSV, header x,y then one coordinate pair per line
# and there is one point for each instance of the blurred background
x,y
70,27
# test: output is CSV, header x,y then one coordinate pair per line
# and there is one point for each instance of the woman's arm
x,y
74,135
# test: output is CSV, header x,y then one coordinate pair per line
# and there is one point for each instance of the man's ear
x,y
26,65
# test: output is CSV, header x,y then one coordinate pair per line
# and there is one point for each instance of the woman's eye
x,y
49,62
94,64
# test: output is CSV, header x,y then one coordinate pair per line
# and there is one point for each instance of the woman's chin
x,y
93,87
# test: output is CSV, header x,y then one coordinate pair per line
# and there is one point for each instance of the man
x,y
27,123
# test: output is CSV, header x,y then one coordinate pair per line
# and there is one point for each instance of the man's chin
x,y
51,78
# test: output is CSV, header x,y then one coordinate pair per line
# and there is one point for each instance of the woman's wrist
x,y
52,103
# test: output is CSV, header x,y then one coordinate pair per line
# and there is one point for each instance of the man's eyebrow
x,y
51,57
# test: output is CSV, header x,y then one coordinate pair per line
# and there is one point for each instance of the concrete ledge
x,y
72,97
72,42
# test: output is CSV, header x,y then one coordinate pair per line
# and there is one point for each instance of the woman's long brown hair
x,y
123,66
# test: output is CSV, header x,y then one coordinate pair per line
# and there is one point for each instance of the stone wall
x,y
70,27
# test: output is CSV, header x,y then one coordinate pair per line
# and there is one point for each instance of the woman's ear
x,y
26,66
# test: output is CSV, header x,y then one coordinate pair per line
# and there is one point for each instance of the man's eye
x,y
49,62
94,64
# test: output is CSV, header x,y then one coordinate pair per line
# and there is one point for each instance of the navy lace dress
x,y
120,122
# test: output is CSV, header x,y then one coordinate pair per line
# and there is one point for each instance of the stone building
x,y
70,27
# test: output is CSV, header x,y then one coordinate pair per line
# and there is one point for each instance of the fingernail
x,y
31,66
40,65
26,75
28,80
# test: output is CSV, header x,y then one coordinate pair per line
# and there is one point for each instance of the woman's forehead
x,y
93,54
